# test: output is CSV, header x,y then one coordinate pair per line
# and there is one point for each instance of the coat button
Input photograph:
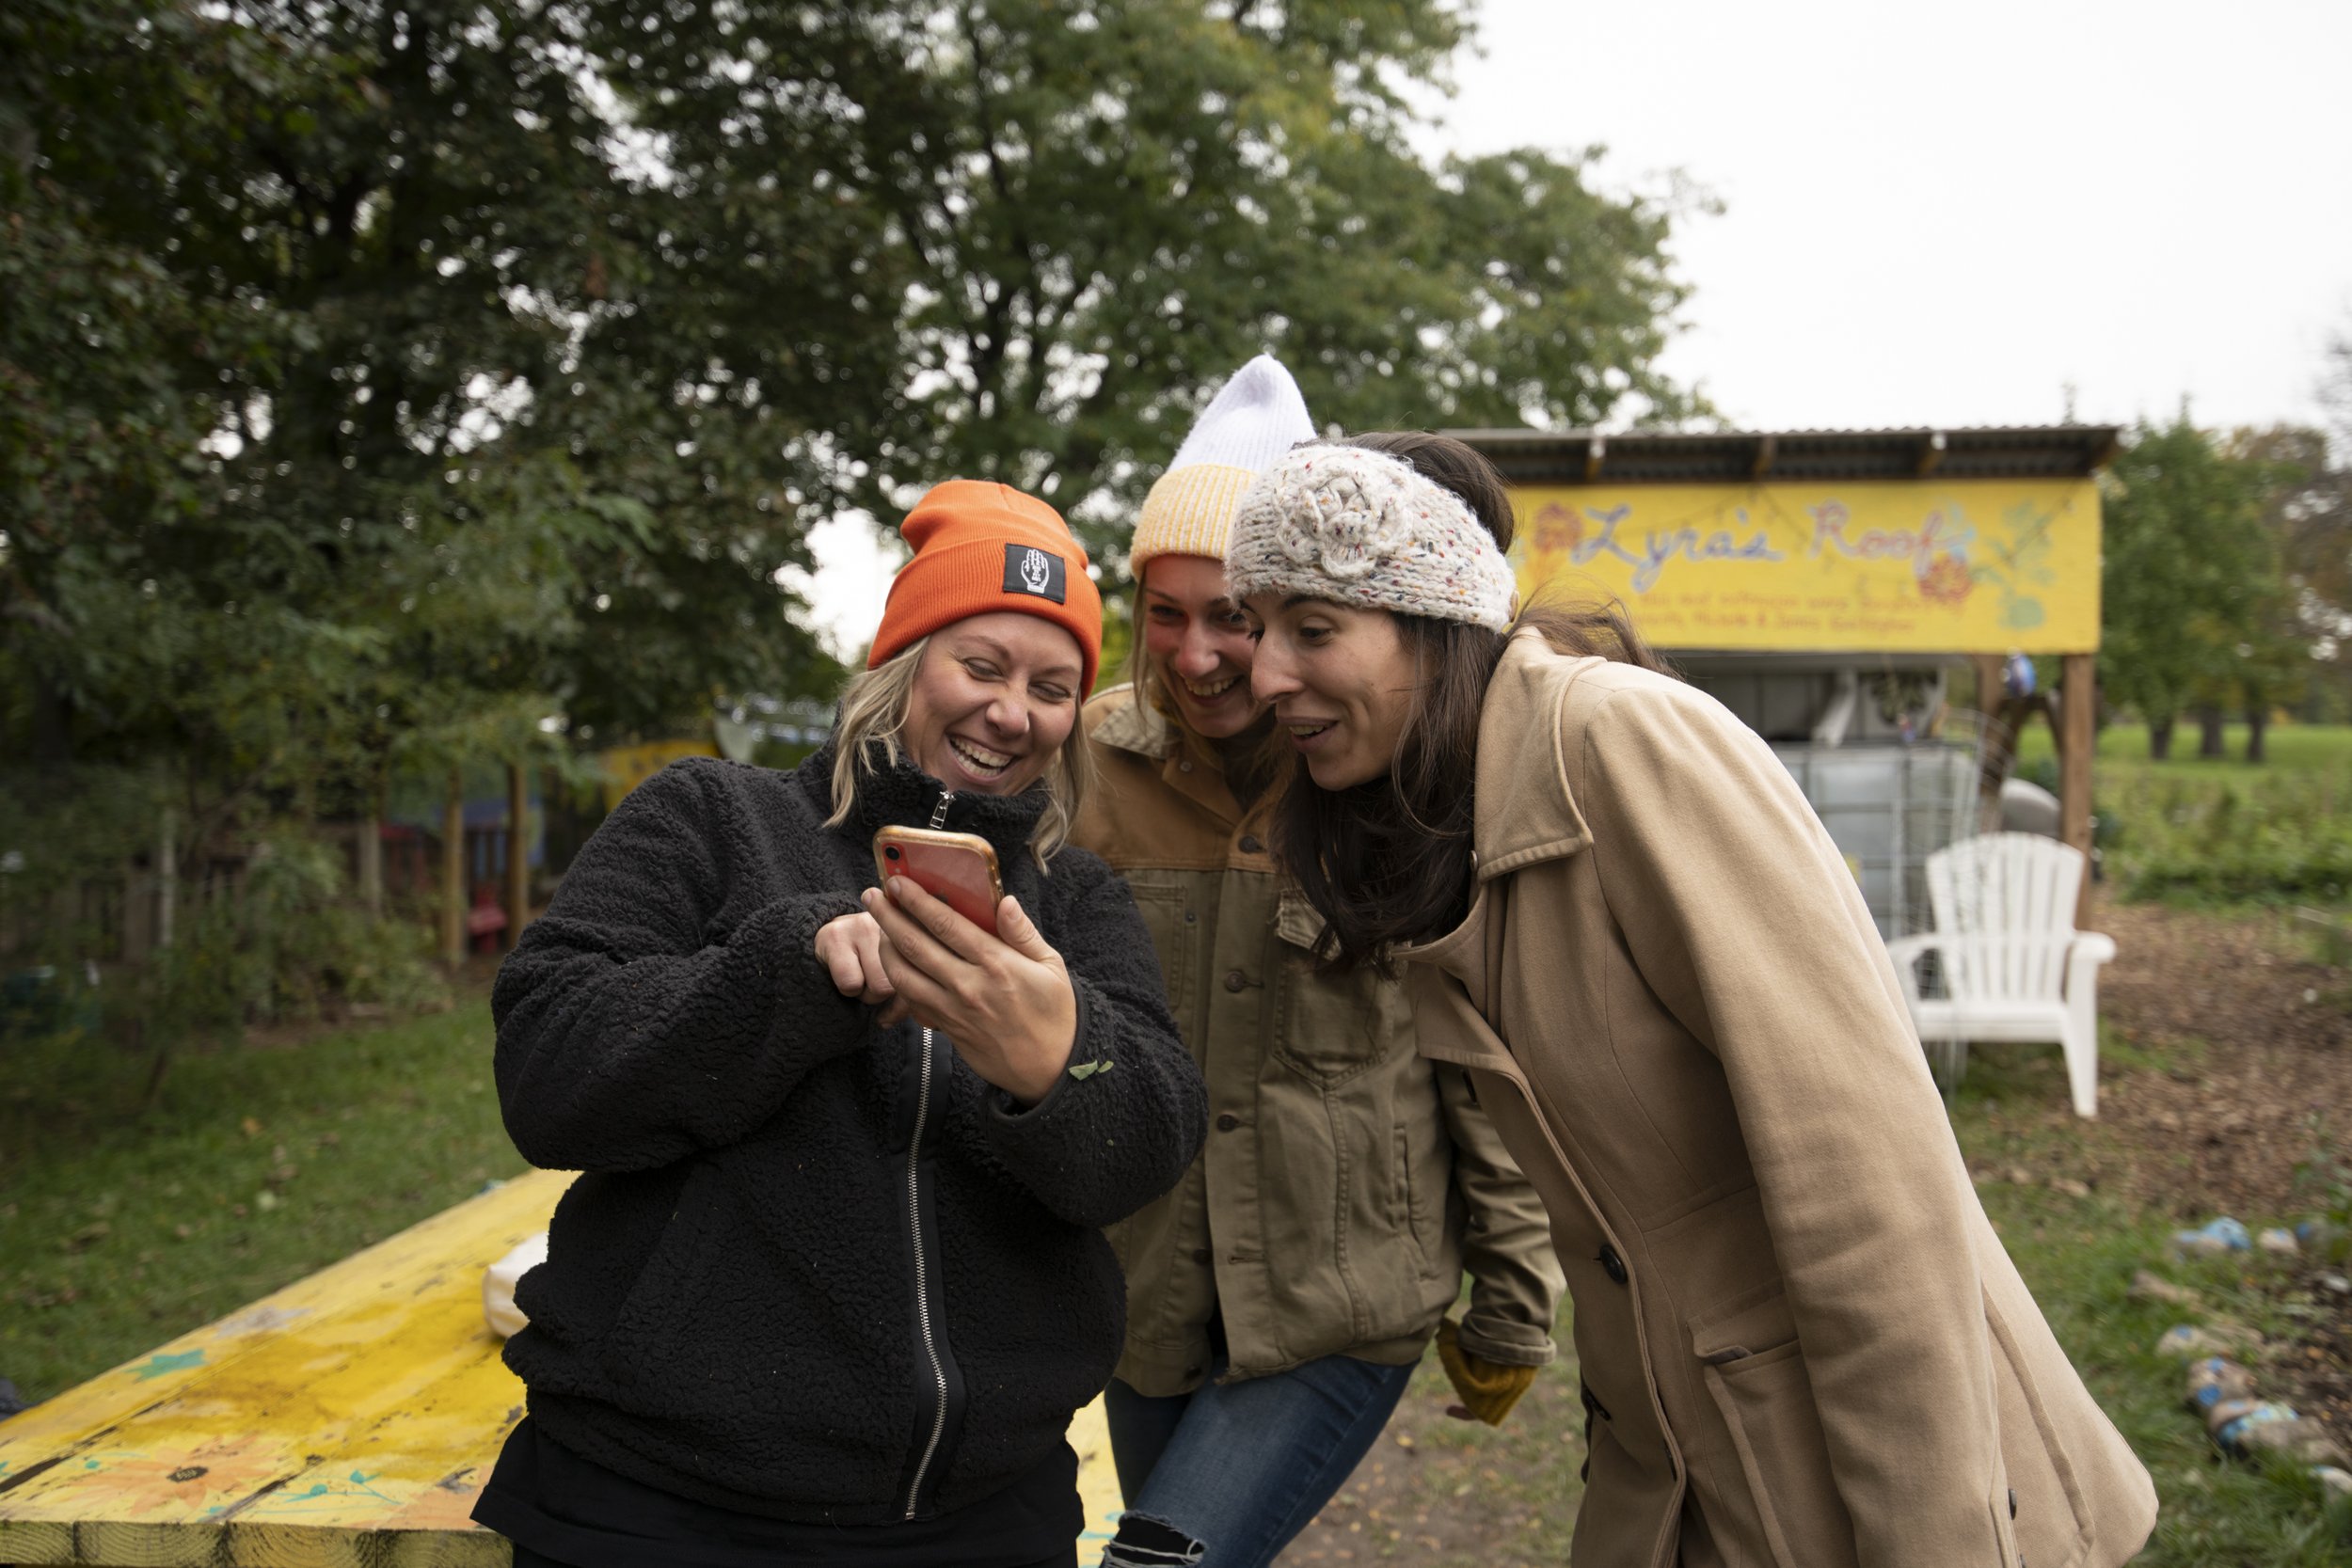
x,y
1611,1264
1250,845
1235,979
1192,1372
1200,1255
1227,1121
2012,1503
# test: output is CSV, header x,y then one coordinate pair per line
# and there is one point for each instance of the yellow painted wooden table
x,y
346,1420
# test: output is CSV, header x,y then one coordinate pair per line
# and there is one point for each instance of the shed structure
x,y
1823,584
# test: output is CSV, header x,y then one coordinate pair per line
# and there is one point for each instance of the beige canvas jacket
x,y
1803,1344
1347,1182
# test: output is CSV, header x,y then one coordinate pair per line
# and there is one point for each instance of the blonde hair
x,y
874,713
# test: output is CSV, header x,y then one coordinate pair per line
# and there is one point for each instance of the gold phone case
x,y
958,869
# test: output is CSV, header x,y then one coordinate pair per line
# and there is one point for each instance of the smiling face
x,y
993,698
1198,643
1341,681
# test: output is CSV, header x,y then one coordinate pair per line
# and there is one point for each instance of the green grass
x,y
2123,752
257,1165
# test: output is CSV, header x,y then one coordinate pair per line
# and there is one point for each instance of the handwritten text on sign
x,y
1969,566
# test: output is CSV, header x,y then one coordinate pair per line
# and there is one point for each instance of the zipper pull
x,y
939,812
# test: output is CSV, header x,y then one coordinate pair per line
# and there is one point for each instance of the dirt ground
x,y
2247,1124
2257,1037
2230,1080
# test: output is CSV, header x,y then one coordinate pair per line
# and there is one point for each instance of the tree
x,y
2186,576
358,490
1067,222
384,386
2307,515
2310,513
503,353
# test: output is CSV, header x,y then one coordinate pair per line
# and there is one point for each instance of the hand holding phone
x,y
958,869
1004,998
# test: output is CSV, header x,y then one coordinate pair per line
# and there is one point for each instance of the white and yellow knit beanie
x,y
1257,417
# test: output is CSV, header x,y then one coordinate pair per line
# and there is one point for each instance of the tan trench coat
x,y
1347,1182
1803,1344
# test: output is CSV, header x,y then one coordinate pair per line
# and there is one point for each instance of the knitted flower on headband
x,y
1362,528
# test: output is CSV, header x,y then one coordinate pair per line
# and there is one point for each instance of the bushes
x,y
2219,831
290,947
2276,838
279,941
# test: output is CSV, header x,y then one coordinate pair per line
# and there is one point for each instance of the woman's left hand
x,y
1004,1001
1488,1389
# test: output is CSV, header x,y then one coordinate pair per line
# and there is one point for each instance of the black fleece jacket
x,y
778,1288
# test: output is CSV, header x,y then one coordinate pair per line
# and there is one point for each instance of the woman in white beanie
x,y
1801,1342
1280,1296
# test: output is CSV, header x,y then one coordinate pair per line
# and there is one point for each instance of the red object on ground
x,y
486,920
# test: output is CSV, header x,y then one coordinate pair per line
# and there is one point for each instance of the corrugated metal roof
x,y
1732,457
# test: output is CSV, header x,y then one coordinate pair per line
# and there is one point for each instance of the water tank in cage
x,y
1890,807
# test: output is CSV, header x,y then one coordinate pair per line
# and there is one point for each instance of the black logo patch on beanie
x,y
1035,572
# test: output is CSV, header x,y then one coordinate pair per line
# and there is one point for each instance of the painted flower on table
x,y
1947,580
188,1479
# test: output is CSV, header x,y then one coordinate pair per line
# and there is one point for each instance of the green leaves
x,y
2190,583
1027,241
371,373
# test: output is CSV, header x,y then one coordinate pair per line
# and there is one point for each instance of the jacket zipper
x,y
946,1385
923,1326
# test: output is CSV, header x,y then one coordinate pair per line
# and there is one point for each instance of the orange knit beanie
x,y
981,546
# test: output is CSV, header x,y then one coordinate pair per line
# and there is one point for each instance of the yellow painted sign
x,y
1884,566
626,767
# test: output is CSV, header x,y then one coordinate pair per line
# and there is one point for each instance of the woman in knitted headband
x,y
1798,1338
1280,1296
832,1287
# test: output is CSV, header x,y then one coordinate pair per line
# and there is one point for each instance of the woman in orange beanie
x,y
834,1282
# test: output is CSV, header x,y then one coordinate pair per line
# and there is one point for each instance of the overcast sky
x,y
1939,214
1942,215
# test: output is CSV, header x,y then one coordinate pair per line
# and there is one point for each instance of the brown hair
x,y
1388,862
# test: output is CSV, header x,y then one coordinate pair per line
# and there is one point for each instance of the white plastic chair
x,y
2013,966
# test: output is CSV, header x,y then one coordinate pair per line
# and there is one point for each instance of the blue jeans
x,y
1225,1476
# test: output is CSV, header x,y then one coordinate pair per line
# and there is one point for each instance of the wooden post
x,y
371,830
2078,739
166,877
453,869
1997,756
134,933
518,852
1988,669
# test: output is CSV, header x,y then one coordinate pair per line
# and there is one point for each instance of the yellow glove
x,y
1488,1389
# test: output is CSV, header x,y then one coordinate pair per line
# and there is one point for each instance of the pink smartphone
x,y
958,869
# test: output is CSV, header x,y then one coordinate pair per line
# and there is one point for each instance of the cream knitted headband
x,y
1362,528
